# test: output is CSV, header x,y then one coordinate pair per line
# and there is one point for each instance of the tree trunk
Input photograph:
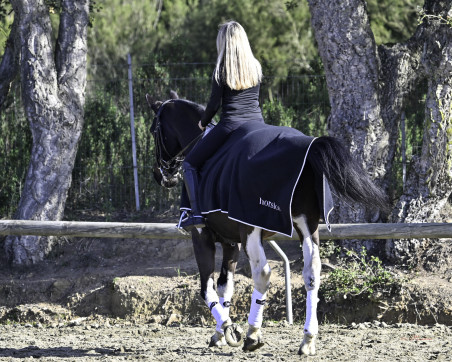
x,y
368,87
430,185
53,83
349,56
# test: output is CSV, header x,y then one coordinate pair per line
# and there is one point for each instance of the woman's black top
x,y
240,105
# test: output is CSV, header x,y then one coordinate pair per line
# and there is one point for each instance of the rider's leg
x,y
203,150
191,184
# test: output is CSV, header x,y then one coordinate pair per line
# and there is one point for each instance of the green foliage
x,y
103,173
6,19
393,21
120,28
281,38
276,114
357,275
185,30
328,249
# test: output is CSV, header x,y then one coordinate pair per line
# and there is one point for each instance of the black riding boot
x,y
195,218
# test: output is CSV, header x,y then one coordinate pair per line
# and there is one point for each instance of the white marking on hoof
x,y
307,347
217,340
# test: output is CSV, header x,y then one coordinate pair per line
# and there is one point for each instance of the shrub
x,y
357,275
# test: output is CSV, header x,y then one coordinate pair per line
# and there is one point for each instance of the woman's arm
x,y
214,103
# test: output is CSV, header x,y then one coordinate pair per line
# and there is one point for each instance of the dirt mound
x,y
158,281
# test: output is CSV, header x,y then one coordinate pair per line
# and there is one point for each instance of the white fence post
x,y
132,130
283,256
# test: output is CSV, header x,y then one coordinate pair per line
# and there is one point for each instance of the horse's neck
x,y
187,128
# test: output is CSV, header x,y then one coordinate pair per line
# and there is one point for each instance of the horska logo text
x,y
270,204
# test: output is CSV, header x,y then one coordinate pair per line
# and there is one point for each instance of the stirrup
x,y
192,222
188,222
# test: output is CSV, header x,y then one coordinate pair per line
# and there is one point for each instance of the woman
x,y
235,87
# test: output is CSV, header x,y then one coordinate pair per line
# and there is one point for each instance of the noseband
x,y
168,168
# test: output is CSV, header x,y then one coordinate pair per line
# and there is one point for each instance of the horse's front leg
x,y
261,276
311,277
225,290
225,282
204,248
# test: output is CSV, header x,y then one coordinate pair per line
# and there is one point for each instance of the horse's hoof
x,y
252,344
307,347
233,335
253,340
217,340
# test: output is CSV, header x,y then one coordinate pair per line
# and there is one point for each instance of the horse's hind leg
x,y
261,276
204,248
311,277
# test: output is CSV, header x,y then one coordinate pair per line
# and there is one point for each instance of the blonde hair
x,y
236,64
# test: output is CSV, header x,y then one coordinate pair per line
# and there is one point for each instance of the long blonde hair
x,y
236,64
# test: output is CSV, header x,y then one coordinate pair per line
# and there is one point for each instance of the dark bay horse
x,y
175,130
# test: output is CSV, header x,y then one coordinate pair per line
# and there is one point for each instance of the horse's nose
x,y
158,177
170,182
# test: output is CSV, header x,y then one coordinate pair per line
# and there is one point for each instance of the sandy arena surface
x,y
112,340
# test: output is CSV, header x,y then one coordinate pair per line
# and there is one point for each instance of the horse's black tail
x,y
345,174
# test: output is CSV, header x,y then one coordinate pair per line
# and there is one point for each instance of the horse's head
x,y
174,127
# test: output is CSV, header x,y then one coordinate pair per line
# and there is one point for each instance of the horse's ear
x,y
154,105
149,100
173,95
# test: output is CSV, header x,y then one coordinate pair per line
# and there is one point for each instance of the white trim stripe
x,y
327,216
243,222
298,179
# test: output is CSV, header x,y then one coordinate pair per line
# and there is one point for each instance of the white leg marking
x,y
215,307
258,261
311,276
261,275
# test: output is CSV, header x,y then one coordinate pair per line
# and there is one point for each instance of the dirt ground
x,y
112,340
114,299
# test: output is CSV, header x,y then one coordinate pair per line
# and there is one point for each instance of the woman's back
x,y
241,104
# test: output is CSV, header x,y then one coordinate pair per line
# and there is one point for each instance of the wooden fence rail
x,y
169,231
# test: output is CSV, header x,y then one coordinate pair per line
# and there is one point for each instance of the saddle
x,y
253,176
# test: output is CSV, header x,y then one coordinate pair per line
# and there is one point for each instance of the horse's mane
x,y
194,105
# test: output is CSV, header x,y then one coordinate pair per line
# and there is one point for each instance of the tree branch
x,y
401,71
71,50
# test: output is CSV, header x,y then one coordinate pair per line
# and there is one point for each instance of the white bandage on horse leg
x,y
226,304
257,309
215,307
312,325
226,291
220,316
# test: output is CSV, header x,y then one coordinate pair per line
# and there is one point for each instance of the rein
x,y
169,168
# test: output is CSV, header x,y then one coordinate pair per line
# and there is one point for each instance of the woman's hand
x,y
201,126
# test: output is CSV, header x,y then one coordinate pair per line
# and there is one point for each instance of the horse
x,y
175,132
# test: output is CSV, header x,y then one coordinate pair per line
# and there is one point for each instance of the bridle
x,y
169,169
